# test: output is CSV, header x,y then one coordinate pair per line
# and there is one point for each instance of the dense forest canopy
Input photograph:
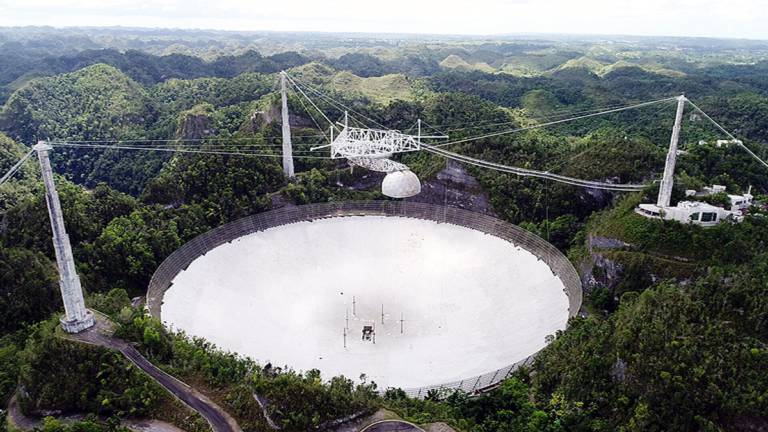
x,y
673,334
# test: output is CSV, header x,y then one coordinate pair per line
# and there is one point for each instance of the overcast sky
x,y
716,18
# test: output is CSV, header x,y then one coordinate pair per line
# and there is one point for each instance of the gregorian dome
x,y
401,184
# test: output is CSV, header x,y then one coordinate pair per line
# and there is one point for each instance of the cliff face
x,y
272,114
455,187
612,267
196,122
196,126
598,271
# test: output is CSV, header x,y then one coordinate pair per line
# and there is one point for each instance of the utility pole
x,y
287,146
354,302
346,326
665,188
401,323
76,317
345,337
382,314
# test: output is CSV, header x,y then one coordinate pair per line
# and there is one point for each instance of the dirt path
x,y
101,335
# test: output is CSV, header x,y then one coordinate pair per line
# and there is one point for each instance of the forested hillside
x,y
673,334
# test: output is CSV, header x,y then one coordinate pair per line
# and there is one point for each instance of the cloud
x,y
735,18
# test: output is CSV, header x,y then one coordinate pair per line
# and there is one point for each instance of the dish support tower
x,y
76,317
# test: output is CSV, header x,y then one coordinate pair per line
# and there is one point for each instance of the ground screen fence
x,y
558,263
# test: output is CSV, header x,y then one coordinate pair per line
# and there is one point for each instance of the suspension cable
x,y
334,101
188,140
519,171
15,168
550,115
310,100
541,125
198,147
176,150
304,106
533,173
730,135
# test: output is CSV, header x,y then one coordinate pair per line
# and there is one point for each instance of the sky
x,y
712,18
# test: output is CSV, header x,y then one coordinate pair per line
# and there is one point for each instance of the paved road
x,y
219,420
392,426
17,418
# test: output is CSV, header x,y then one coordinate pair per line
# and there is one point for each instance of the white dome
x,y
401,184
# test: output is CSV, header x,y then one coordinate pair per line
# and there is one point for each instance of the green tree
x,y
29,288
131,247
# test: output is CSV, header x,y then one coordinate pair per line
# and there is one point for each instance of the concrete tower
x,y
287,146
76,317
665,189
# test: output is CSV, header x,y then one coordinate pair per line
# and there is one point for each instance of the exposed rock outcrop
x,y
261,118
455,187
195,126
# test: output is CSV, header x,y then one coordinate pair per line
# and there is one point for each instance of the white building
x,y
711,190
721,142
738,203
741,203
693,212
701,213
726,143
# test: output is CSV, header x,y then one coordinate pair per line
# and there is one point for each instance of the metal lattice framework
x,y
382,164
372,148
